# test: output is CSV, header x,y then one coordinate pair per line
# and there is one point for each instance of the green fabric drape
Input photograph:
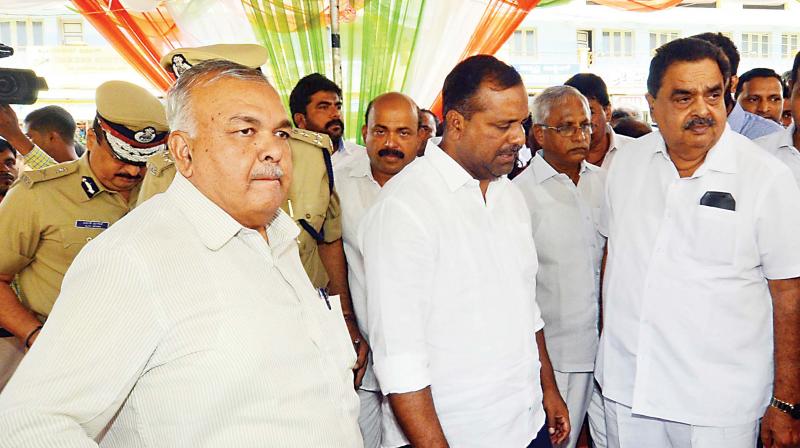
x,y
295,36
376,54
376,47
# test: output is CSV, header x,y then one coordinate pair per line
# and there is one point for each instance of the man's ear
x,y
454,123
734,83
607,111
300,120
181,150
364,133
651,101
538,135
91,139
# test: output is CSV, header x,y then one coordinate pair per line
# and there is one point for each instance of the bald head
x,y
391,134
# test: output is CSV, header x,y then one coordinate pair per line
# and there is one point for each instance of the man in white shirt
x,y
564,194
316,105
450,269
701,293
191,322
605,141
392,136
784,143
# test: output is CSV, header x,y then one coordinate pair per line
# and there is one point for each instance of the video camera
x,y
18,86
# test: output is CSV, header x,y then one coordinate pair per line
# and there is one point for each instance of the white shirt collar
x,y
214,226
544,170
454,175
787,137
721,157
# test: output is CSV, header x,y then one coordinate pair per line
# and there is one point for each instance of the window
x,y
698,3
616,44
21,33
790,44
523,43
764,4
755,45
659,38
71,32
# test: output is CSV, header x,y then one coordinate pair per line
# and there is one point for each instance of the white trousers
x,y
597,418
369,418
628,430
11,353
576,390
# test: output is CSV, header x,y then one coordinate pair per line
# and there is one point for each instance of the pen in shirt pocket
x,y
323,294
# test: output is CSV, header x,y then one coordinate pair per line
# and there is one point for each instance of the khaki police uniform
x,y
312,201
49,215
46,220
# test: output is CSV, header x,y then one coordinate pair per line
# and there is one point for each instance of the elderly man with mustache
x,y
701,294
8,167
51,214
191,323
563,193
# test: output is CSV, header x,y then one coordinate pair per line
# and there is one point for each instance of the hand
x,y
9,130
557,417
779,430
362,349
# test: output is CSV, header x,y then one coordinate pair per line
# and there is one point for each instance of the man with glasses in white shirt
x,y
564,193
450,268
701,295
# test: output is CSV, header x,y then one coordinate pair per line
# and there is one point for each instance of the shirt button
x,y
308,215
88,238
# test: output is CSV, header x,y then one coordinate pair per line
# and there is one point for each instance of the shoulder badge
x,y
89,186
51,172
157,163
314,138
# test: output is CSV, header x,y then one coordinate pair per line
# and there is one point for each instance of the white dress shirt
x,y
565,220
178,327
687,332
615,142
781,145
357,191
346,152
451,281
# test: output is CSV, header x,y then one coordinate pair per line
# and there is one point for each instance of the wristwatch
x,y
792,409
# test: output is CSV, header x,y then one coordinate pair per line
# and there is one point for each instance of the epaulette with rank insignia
x,y
157,163
314,138
51,172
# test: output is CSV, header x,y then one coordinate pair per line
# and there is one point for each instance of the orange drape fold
x,y
140,38
498,22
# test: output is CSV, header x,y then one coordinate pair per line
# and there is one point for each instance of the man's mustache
x,y
514,150
128,176
698,121
335,122
391,152
267,172
6,176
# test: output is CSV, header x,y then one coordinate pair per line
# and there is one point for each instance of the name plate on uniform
x,y
91,224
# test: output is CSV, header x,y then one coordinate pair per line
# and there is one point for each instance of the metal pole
x,y
336,43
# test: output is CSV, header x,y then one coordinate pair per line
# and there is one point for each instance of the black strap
x,y
318,236
329,167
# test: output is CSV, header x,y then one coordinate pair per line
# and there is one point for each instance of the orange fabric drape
x,y
140,38
639,5
498,22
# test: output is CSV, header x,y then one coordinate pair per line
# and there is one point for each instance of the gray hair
x,y
179,99
550,97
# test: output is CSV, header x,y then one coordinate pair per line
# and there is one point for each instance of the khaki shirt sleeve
x,y
333,219
19,229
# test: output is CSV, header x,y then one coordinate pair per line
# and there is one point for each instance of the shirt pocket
x,y
73,238
715,235
339,343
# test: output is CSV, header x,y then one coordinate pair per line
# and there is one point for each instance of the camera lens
x,y
7,84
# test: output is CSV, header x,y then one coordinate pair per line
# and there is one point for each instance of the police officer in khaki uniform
x,y
52,213
312,200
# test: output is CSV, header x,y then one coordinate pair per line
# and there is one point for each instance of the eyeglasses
x,y
569,130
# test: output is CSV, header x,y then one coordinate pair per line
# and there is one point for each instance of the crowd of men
x,y
221,272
